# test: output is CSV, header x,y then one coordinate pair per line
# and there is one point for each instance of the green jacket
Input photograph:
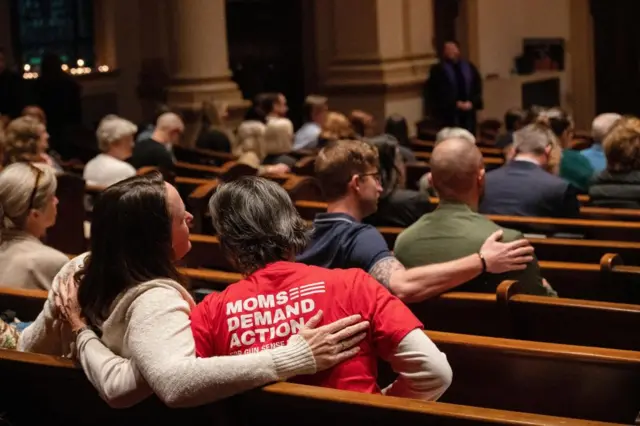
x,y
576,169
454,231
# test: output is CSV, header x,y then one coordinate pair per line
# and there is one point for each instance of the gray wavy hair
x,y
257,223
113,128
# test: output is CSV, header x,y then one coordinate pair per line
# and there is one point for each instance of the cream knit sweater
x,y
150,349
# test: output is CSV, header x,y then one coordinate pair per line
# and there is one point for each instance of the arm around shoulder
x,y
162,346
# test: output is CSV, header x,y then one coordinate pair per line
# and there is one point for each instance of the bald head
x,y
456,165
169,121
603,124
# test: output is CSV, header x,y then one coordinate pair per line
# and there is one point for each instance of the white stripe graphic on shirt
x,y
312,292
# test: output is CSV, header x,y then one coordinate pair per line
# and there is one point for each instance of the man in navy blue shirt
x,y
350,177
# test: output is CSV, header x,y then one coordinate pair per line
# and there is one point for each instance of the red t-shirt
x,y
264,310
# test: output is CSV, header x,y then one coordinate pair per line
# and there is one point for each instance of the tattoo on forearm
x,y
384,268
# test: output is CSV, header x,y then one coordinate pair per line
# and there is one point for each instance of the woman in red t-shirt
x,y
261,232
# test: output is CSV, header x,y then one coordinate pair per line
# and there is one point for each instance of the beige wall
x,y
499,26
502,24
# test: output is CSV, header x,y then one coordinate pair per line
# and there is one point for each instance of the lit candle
x,y
65,67
81,62
27,67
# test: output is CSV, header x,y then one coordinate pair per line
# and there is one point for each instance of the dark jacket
x,y
442,94
522,188
619,190
401,209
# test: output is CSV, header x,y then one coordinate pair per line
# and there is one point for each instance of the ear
x,y
547,149
430,179
354,183
34,214
482,173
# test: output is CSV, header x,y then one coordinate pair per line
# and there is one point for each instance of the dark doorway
x,y
445,15
617,55
266,49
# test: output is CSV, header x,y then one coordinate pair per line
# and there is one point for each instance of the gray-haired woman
x,y
115,140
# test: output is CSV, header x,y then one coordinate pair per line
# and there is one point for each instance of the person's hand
x,y
460,105
548,288
467,106
66,301
278,169
336,342
504,257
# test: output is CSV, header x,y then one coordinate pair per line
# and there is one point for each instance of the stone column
x,y
199,63
375,54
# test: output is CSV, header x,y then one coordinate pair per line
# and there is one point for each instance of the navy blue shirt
x,y
340,241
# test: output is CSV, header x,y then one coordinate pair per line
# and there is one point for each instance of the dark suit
x,y
522,188
448,84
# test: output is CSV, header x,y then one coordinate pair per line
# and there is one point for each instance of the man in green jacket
x,y
455,229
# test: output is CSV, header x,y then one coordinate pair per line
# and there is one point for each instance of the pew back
x,y
59,394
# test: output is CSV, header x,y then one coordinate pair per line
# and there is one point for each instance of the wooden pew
x,y
510,314
547,378
298,187
27,304
305,166
577,322
604,281
208,278
38,379
606,213
202,156
622,282
427,146
490,163
590,229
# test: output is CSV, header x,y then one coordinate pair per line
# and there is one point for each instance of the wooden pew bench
x,y
59,395
546,378
27,304
570,279
510,314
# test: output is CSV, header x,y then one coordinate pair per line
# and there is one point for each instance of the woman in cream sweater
x,y
129,290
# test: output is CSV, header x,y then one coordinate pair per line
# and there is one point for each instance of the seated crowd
x,y
317,305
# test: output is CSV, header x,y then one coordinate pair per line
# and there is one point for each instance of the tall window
x,y
64,27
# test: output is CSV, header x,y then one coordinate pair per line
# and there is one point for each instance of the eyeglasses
x,y
39,174
376,175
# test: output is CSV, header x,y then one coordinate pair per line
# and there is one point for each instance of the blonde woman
x,y
27,139
28,207
115,140
278,141
336,127
215,134
250,148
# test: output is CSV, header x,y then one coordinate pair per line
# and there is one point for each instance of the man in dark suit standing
x,y
453,92
524,187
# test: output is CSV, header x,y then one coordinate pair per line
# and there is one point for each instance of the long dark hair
x,y
390,174
396,126
130,243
